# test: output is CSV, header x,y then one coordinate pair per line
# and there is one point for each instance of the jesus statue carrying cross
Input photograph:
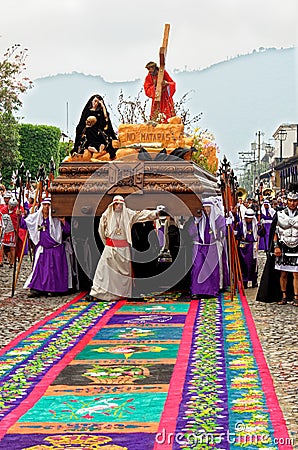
x,y
159,85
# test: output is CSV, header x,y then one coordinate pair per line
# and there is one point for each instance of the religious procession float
x,y
152,164
149,164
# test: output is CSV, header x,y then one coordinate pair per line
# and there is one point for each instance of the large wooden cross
x,y
162,62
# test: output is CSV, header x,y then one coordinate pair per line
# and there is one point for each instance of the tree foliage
x,y
13,83
38,144
9,140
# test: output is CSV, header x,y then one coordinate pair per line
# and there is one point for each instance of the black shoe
x,y
255,285
195,297
245,284
283,301
90,298
34,294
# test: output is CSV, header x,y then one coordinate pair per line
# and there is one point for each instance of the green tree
x,y
13,83
38,144
9,140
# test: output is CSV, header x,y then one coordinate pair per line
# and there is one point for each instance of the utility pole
x,y
259,156
67,119
246,157
256,148
254,170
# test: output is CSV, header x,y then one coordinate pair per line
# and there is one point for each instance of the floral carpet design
x,y
167,373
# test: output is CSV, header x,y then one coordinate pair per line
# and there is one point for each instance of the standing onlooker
x,y
285,243
279,280
241,208
2,190
10,245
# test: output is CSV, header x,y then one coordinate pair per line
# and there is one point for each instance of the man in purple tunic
x,y
267,214
50,272
209,272
247,232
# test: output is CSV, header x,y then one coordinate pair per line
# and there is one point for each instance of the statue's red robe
x,y
166,104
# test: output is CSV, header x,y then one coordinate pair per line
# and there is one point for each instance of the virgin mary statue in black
x,y
102,130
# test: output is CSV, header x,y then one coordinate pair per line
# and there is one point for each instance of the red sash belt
x,y
117,242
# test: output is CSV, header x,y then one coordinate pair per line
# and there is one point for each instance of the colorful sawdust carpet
x,y
168,373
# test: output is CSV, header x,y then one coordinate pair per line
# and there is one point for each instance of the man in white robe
x,y
113,275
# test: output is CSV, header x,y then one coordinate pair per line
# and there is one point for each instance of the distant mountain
x,y
238,97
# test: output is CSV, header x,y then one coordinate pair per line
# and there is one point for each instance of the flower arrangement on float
x,y
205,156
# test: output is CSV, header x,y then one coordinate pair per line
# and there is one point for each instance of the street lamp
x,y
281,136
268,149
246,159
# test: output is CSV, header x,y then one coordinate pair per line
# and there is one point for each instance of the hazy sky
x,y
116,38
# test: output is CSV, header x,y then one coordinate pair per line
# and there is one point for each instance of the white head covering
x,y
270,209
215,212
292,196
110,216
13,202
117,199
250,214
217,201
46,201
34,221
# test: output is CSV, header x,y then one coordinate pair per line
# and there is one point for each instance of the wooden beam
x,y
162,62
166,36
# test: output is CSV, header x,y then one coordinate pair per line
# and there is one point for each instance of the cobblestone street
x,y
20,312
276,326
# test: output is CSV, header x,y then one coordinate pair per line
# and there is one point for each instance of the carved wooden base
x,y
86,188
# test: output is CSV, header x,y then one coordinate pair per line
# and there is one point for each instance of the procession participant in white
x,y
113,275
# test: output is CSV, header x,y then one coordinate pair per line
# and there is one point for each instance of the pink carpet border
x,y
34,327
43,385
276,415
171,408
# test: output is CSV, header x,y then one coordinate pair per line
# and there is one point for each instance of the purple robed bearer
x,y
50,273
209,272
267,214
247,234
